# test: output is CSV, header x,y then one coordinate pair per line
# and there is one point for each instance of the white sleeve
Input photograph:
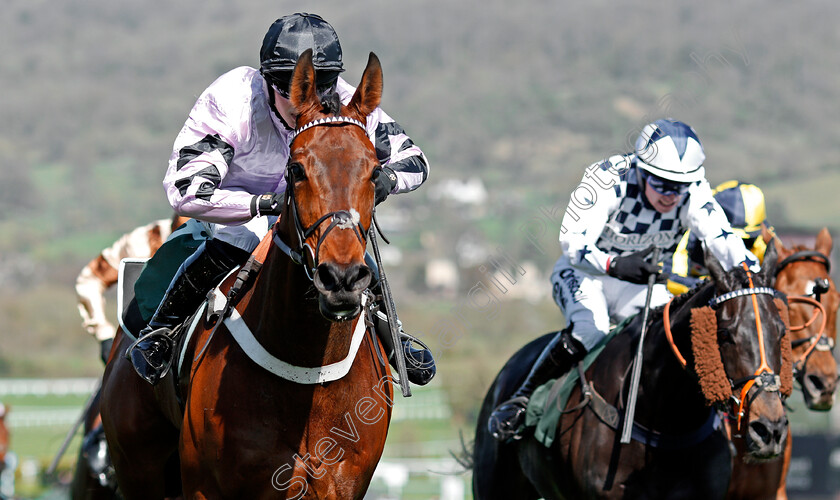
x,y
589,209
708,221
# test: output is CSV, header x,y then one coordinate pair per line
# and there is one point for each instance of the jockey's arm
x,y
395,149
708,221
585,219
202,155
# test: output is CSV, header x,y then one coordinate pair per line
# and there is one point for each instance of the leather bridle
x,y
764,378
303,253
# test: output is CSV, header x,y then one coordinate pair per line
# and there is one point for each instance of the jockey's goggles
x,y
325,84
666,187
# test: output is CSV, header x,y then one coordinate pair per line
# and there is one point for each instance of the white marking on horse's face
x,y
350,223
809,287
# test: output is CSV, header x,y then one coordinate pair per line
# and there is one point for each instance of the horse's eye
x,y
725,336
296,172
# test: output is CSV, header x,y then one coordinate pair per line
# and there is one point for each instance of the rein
x,y
764,378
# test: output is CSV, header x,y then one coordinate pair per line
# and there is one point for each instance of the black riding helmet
x,y
287,38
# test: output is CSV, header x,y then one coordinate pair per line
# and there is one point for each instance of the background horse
x,y
4,439
86,485
684,455
800,273
247,432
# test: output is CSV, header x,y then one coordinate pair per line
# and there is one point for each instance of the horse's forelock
x,y
707,361
331,103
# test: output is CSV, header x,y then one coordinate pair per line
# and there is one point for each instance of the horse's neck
x,y
284,316
670,395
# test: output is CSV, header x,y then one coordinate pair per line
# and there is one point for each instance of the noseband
x,y
340,219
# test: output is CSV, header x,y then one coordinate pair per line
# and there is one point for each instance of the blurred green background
x,y
510,104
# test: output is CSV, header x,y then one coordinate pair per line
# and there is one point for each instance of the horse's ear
x,y
824,242
369,92
768,266
302,89
716,271
766,234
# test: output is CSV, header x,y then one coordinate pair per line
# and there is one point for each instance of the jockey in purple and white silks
x,y
227,171
234,146
624,207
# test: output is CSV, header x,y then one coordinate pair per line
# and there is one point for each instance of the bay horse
x,y
246,430
803,275
720,343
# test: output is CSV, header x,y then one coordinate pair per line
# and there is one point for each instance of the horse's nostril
x,y
816,383
357,278
761,431
326,278
331,278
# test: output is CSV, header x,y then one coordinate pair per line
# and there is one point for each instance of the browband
x,y
329,120
766,290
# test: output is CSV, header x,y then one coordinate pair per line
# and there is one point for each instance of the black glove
x,y
105,349
633,267
266,204
385,181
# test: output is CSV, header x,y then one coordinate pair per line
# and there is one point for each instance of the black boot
x,y
419,364
561,353
95,452
154,351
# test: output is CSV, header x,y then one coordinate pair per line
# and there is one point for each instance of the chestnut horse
x,y
718,343
275,405
802,274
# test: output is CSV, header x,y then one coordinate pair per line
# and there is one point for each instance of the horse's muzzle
x,y
766,438
341,289
818,390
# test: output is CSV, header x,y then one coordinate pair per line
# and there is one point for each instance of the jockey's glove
x,y
384,180
266,204
633,267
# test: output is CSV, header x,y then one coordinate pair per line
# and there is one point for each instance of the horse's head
x,y
803,274
751,337
330,193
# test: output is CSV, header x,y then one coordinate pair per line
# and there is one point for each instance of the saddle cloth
x,y
548,401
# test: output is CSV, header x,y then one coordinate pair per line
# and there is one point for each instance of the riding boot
x,y
562,352
152,354
419,363
95,452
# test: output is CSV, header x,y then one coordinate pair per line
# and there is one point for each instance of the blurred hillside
x,y
515,100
